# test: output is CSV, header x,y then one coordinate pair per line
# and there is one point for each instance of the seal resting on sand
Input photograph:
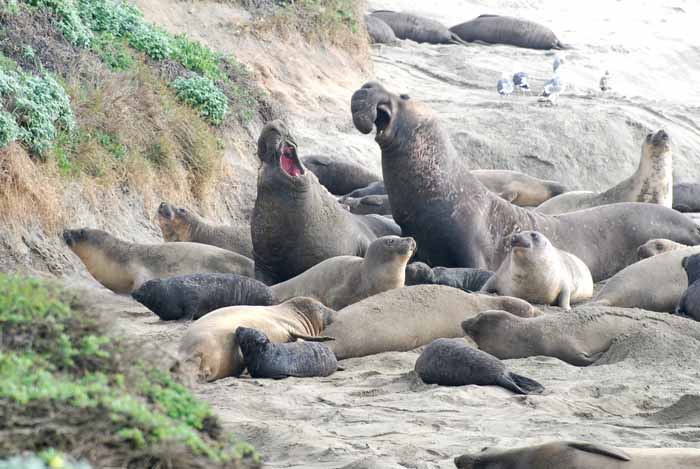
x,y
416,28
301,359
686,197
337,175
651,183
451,362
123,267
296,222
379,32
689,304
539,273
211,341
519,188
654,247
580,455
458,222
496,29
405,318
180,224
468,280
340,281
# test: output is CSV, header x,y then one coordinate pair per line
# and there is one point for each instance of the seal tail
x,y
519,384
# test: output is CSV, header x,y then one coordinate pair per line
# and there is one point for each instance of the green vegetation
x,y
202,93
57,362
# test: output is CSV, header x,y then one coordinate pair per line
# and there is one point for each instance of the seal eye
x,y
390,241
405,97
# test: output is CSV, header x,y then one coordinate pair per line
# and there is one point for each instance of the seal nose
x,y
660,137
364,113
68,237
164,210
520,241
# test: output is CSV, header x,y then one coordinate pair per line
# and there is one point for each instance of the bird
x,y
552,88
520,81
558,61
504,86
605,82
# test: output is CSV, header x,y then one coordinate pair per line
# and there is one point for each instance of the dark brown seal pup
x,y
379,32
468,280
296,222
337,175
689,305
458,222
415,28
496,29
451,362
300,359
686,197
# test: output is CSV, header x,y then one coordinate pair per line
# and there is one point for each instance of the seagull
x,y
504,86
558,61
520,81
552,88
605,82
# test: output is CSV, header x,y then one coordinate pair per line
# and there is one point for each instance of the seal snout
x,y
165,210
521,241
364,112
466,461
660,137
68,237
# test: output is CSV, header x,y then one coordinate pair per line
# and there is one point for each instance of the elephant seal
x,y
451,362
518,188
580,455
376,188
211,341
123,267
301,359
379,32
369,204
689,304
651,183
468,280
458,222
654,284
180,224
496,29
193,296
343,280
416,28
655,247
337,175
686,197
539,273
296,223
405,318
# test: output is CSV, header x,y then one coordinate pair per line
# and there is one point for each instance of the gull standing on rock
x,y
605,82
504,85
520,81
552,88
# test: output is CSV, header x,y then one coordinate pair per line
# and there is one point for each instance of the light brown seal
x,y
539,273
654,247
518,188
123,267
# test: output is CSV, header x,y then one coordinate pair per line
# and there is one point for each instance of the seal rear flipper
x,y
519,384
597,448
310,338
455,39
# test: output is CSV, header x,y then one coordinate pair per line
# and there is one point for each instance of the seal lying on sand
x,y
468,280
379,32
451,362
458,222
296,223
211,340
406,318
518,188
415,28
180,224
337,175
580,455
377,204
654,247
341,281
651,183
123,267
686,197
689,304
267,360
537,272
193,296
495,29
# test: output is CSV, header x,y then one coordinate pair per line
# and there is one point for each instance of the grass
x,y
84,393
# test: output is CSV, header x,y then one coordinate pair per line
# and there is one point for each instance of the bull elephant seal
x,y
123,267
654,284
686,197
377,204
180,224
651,183
193,296
458,222
519,188
451,362
496,29
415,28
689,304
296,223
379,32
539,273
337,175
301,359
405,318
468,280
341,281
211,341
580,455
654,247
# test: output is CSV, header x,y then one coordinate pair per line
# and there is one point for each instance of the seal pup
x,y
686,197
689,304
537,272
451,362
340,281
337,175
123,267
416,28
580,455
180,224
496,29
468,280
652,182
301,359
654,247
296,222
193,296
379,32
458,222
211,340
518,188
376,204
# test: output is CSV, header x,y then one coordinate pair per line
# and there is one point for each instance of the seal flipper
x,y
309,338
519,384
603,450
564,300
458,40
510,196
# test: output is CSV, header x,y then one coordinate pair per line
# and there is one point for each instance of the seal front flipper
x,y
510,196
309,338
519,384
564,300
490,285
597,448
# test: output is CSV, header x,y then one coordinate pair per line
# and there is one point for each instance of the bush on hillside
x,y
201,93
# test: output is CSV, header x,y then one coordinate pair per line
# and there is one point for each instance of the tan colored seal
x,y
123,267
654,247
211,340
538,272
343,280
518,188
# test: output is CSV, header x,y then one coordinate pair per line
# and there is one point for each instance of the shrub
x,y
112,50
197,57
203,94
69,21
9,131
152,41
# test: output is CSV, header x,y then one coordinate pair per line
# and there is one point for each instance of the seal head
x,y
278,149
373,106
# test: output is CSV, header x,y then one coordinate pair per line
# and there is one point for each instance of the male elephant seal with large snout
x,y
496,29
416,28
296,222
580,455
458,222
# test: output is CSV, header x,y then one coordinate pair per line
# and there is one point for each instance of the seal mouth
x,y
289,161
410,247
383,119
166,211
